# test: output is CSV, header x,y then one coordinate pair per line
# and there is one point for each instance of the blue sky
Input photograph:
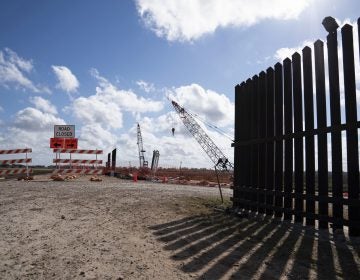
x,y
106,65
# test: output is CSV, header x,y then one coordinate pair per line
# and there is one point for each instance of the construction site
x,y
270,190
83,219
65,166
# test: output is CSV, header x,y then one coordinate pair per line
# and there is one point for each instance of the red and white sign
x,y
71,143
57,143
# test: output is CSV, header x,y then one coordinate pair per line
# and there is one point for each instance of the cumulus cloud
x,y
32,119
96,136
67,81
145,86
101,114
107,105
188,20
14,71
32,127
43,105
127,100
97,110
212,106
283,53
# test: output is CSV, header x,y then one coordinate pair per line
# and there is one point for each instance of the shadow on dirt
x,y
218,246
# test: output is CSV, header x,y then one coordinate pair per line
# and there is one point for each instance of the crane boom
x,y
143,162
215,154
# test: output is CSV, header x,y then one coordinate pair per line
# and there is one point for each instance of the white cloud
x,y
32,128
95,136
127,100
21,63
107,105
13,71
214,107
97,110
145,86
188,20
43,105
67,80
31,119
101,114
283,53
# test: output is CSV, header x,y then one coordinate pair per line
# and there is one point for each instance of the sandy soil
x,y
124,230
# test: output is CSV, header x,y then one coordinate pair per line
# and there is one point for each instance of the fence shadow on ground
x,y
219,246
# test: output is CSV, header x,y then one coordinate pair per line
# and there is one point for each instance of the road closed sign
x,y
64,131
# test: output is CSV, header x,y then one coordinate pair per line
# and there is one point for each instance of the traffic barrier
x,y
13,161
79,171
78,161
15,151
72,151
72,165
16,170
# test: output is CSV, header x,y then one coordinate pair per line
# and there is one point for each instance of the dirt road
x,y
123,230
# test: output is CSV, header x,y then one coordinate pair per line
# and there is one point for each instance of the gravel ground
x,y
118,229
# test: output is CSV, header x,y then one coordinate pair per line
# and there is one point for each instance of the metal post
x,y
298,142
352,133
217,176
288,129
309,140
335,109
322,137
27,168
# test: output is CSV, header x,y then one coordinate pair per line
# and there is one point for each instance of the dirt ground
x,y
118,229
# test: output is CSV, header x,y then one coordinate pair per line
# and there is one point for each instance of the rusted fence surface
x,y
285,137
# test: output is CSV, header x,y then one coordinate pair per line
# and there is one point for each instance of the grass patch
x,y
201,205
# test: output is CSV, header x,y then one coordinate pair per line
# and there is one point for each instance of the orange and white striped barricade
x,y
79,171
8,162
78,166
